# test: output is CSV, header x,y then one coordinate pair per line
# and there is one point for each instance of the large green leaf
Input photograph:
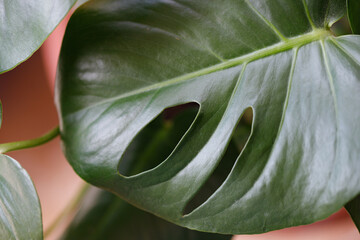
x,y
123,62
105,216
24,26
354,15
20,212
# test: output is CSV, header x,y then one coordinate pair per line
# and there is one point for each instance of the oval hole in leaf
x,y
154,143
238,140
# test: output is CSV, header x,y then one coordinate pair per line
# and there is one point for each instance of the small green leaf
x,y
123,62
353,8
353,207
106,216
25,25
20,212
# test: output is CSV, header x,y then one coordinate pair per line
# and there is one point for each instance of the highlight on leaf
x,y
25,26
20,211
300,80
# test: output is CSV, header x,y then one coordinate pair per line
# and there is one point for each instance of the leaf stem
x,y
71,207
12,146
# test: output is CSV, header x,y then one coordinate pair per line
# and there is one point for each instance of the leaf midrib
x,y
295,42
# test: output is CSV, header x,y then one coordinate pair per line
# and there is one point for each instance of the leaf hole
x,y
156,141
341,27
237,142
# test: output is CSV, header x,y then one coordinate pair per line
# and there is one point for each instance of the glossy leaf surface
x,y
24,26
124,62
20,212
354,15
106,216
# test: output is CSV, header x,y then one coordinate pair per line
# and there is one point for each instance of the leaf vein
x,y
331,79
261,53
263,18
308,14
334,96
206,48
285,106
345,51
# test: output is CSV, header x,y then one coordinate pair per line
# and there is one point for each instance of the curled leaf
x,y
124,62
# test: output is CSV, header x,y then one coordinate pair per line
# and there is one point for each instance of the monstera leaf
x,y
25,25
106,216
123,62
354,15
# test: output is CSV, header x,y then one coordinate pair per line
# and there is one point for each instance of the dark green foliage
x,y
353,207
354,15
106,216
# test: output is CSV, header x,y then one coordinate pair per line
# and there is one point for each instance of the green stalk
x,y
12,146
